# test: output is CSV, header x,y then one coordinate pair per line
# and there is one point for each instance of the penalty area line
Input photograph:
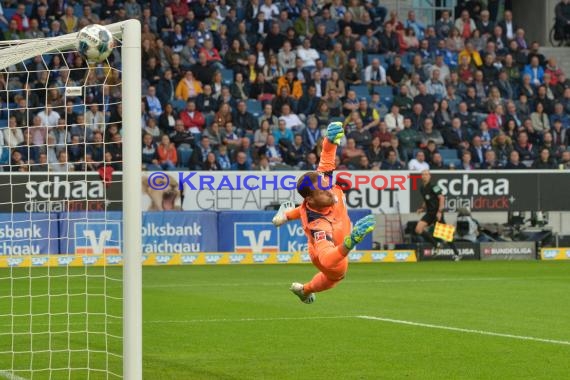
x,y
10,376
468,331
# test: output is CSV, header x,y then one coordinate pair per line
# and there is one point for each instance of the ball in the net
x,y
95,43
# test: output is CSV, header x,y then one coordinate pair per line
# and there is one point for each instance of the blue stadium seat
x,y
184,157
9,12
178,105
380,57
386,94
47,58
227,76
384,91
79,108
449,154
3,123
455,162
209,119
254,106
361,91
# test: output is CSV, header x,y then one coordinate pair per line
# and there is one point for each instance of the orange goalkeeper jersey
x,y
328,227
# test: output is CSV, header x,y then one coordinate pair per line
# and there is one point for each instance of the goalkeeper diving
x,y
325,220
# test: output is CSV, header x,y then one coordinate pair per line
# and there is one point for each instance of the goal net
x,y
69,264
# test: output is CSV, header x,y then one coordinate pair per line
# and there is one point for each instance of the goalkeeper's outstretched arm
x,y
286,212
334,134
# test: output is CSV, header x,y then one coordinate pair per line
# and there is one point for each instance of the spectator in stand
x,y
508,26
466,161
414,24
291,119
293,85
514,162
214,134
62,165
180,137
244,120
239,88
193,119
200,153
361,136
535,71
526,150
212,55
430,134
202,70
559,134
12,136
444,25
409,139
224,114
211,163
418,163
374,75
437,163
282,132
337,58
188,87
223,158
391,162
491,162
149,153
351,153
396,74
375,152
230,136
544,160
241,163
540,121
564,163
465,24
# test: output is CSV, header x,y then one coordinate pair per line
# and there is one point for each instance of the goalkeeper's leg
x,y
328,277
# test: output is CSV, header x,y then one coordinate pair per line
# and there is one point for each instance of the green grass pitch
x,y
241,322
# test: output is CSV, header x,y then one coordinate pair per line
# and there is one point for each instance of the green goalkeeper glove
x,y
362,228
335,132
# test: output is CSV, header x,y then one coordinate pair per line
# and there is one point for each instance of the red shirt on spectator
x,y
179,8
212,54
495,121
167,154
194,120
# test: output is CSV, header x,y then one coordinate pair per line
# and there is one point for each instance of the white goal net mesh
x,y
60,213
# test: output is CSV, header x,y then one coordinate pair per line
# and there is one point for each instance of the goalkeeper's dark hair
x,y
307,183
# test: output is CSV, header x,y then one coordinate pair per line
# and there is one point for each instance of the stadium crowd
x,y
251,85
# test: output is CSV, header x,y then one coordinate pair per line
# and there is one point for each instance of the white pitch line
x,y
193,321
469,331
10,376
365,317
386,281
221,320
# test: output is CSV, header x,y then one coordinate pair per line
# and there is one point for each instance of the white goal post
x,y
132,214
14,52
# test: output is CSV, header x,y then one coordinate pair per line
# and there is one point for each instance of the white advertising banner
x,y
380,192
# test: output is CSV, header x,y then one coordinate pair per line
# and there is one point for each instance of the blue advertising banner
x,y
179,232
90,233
162,232
28,234
252,231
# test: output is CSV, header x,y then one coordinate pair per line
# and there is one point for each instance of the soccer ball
x,y
95,43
